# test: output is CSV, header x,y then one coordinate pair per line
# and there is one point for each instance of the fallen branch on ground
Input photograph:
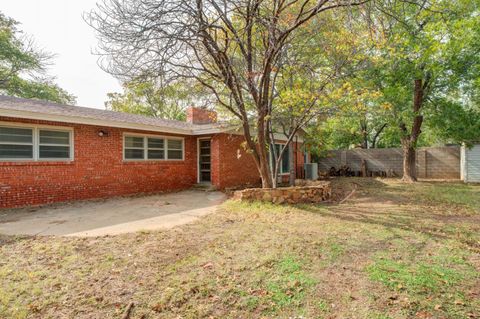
x,y
127,312
349,195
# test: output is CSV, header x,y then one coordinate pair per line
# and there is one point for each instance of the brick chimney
x,y
197,115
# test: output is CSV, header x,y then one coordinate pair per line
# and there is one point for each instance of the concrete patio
x,y
111,216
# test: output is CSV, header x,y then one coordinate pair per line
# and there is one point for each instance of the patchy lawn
x,y
391,251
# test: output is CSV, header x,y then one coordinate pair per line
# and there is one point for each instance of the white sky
x,y
57,26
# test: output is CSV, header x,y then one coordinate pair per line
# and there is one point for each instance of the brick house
x,y
53,153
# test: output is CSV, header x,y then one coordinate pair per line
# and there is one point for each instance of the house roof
x,y
49,111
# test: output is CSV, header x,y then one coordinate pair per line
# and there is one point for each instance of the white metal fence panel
x,y
471,164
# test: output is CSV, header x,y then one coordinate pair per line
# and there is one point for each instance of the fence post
x,y
364,168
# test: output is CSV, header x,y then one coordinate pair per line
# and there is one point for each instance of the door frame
x,y
198,157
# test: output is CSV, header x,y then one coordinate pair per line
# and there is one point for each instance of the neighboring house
x,y
52,153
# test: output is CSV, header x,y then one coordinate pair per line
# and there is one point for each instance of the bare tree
x,y
232,47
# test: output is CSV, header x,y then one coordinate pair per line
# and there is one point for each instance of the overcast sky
x,y
57,27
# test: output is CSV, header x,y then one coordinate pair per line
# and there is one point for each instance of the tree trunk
x,y
364,168
264,167
266,179
377,135
363,126
409,140
409,162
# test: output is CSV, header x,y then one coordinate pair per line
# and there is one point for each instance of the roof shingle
x,y
55,109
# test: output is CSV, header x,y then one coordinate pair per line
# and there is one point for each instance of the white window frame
x,y
32,144
36,128
50,144
167,149
145,147
134,148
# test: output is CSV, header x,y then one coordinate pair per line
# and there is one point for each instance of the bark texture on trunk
x,y
264,167
363,127
409,139
377,135
264,170
409,163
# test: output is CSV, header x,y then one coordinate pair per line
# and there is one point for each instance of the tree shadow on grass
x,y
449,196
397,207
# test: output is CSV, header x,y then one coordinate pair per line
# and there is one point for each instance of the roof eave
x,y
232,129
90,121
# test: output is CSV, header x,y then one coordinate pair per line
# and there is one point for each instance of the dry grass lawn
x,y
391,251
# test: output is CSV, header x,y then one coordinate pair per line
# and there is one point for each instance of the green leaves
x,y
455,123
22,67
148,97
438,43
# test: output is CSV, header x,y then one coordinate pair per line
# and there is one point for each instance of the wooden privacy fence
x,y
432,162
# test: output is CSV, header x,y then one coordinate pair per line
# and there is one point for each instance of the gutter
x,y
117,124
227,128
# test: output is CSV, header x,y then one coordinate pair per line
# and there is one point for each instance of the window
x,y
54,144
285,165
134,147
284,162
16,143
175,149
152,148
35,143
156,148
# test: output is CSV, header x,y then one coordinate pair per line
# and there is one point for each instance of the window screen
x,y
16,143
285,162
134,147
152,148
54,144
175,149
156,148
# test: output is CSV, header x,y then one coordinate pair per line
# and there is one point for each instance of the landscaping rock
x,y
316,192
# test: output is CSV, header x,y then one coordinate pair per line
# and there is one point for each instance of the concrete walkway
x,y
111,216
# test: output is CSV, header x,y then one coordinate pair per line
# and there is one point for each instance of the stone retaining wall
x,y
289,195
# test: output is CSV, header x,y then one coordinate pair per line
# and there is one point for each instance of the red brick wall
x,y
98,170
215,159
232,166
